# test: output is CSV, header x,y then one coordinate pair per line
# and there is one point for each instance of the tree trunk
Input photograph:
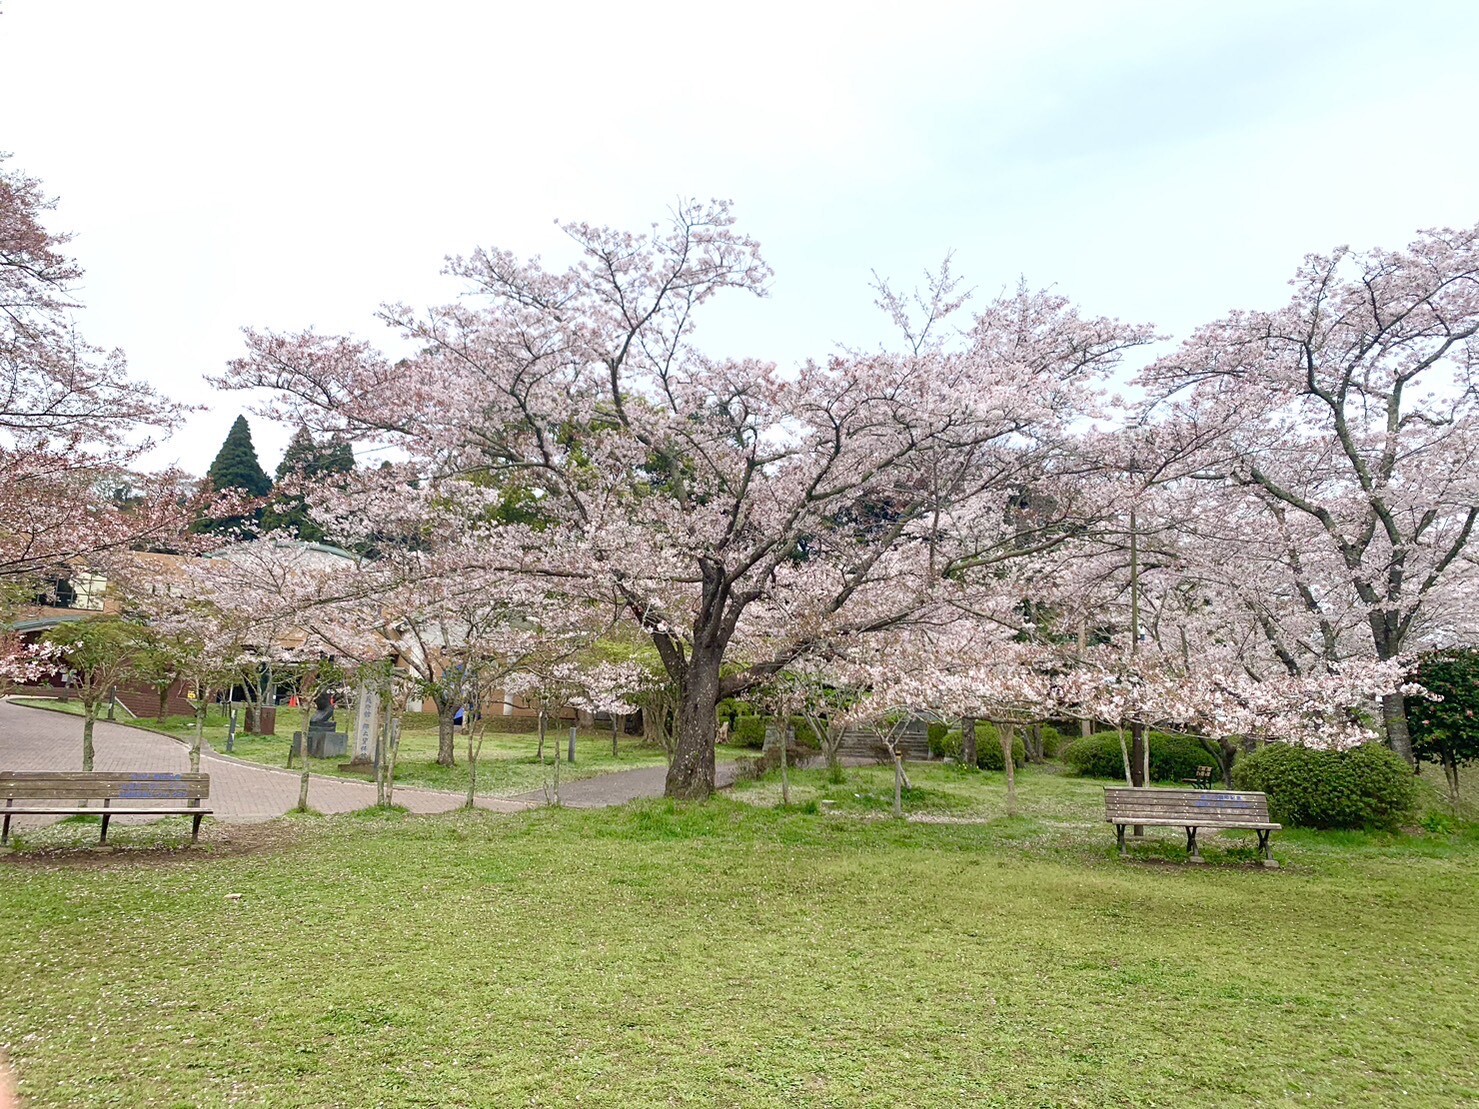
x,y
785,779
540,753
198,739
446,738
1450,773
161,710
472,768
89,717
615,727
303,779
1139,756
1139,763
1008,732
380,754
395,746
968,741
691,773
1227,752
898,785
1394,716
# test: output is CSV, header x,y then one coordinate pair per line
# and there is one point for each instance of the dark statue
x,y
322,719
323,741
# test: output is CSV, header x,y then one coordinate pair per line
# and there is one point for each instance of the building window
x,y
82,591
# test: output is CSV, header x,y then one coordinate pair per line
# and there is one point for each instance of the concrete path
x,y
245,792
241,792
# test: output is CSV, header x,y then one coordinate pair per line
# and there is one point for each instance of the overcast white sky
x,y
293,162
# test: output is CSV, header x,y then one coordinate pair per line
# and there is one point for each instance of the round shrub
x,y
731,710
805,736
988,748
1172,757
1053,742
938,730
945,743
951,745
749,731
1366,787
1095,756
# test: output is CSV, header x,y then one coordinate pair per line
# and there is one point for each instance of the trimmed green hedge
x,y
749,731
805,737
1172,757
939,731
1367,787
988,748
1053,742
950,744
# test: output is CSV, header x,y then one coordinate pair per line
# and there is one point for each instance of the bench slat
x,y
1188,814
1157,822
76,785
1187,808
76,811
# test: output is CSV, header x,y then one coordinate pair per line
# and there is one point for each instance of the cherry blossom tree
x,y
72,420
1335,438
740,514
96,655
300,611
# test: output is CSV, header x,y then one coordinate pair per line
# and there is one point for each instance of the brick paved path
x,y
241,792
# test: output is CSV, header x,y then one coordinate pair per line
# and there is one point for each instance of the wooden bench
x,y
1202,779
32,793
1192,809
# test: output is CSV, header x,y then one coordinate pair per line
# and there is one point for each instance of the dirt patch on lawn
x,y
217,841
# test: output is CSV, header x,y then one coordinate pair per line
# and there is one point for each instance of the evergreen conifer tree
x,y
305,458
236,467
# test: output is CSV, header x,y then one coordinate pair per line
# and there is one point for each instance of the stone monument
x,y
323,741
366,724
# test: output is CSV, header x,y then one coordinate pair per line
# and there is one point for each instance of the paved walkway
x,y
241,792
245,792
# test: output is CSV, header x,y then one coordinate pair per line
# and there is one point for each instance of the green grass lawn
x,y
742,955
507,765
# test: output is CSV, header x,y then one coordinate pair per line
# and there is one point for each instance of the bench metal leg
x,y
1193,852
1119,834
1264,846
104,840
5,837
195,828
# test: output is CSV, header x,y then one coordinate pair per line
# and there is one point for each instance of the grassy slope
x,y
506,766
732,954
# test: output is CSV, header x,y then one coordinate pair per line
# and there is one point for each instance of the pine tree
x,y
236,467
305,458
299,455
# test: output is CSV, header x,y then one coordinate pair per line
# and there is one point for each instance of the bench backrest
x,y
1123,805
29,785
